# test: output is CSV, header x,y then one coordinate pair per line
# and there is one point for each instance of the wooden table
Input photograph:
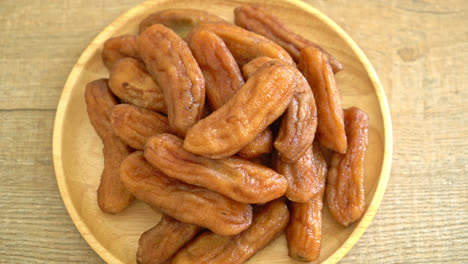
x,y
418,48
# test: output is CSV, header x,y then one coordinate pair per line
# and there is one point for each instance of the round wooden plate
x,y
78,155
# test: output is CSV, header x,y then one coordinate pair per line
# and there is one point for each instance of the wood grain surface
x,y
418,48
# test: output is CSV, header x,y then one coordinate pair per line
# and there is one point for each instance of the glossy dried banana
x,y
268,223
246,45
304,231
301,176
117,48
316,69
258,20
238,179
171,63
135,125
223,79
345,181
111,195
262,99
321,167
158,244
130,81
180,20
299,123
184,202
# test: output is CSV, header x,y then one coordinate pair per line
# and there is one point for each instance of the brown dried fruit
x,y
180,20
298,125
223,79
321,167
184,202
158,244
222,74
267,225
258,20
304,231
111,195
135,125
238,179
306,176
345,180
301,176
171,63
130,81
330,129
246,45
262,99
119,47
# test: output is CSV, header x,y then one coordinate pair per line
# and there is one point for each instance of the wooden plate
x,y
78,150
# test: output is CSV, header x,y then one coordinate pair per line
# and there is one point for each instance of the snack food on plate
x,y
184,202
345,180
236,178
304,231
261,100
130,82
135,125
158,244
245,45
299,122
111,195
172,65
223,79
269,221
330,128
210,164
301,176
255,18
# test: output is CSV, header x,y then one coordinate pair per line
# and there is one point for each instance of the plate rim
x,y
87,53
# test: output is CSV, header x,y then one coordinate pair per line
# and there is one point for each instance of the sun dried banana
x,y
171,63
130,81
301,176
238,179
222,74
135,125
223,79
262,99
246,45
158,244
111,195
345,181
299,123
269,222
184,202
304,231
316,69
258,20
